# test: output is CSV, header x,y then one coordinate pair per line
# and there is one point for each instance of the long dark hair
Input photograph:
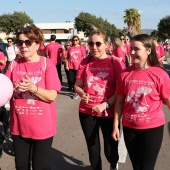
x,y
147,42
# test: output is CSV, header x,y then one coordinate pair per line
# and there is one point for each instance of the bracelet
x,y
107,104
35,91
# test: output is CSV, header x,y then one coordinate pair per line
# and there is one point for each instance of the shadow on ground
x,y
61,161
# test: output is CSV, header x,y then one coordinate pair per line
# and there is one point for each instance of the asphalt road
x,y
69,150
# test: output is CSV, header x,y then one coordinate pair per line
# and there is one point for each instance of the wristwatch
x,y
107,104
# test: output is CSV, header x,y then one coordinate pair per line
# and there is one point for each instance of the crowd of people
x,y
118,84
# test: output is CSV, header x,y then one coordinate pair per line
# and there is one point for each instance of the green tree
x,y
164,28
132,19
11,23
85,22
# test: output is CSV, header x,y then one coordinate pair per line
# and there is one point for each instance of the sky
x,y
54,11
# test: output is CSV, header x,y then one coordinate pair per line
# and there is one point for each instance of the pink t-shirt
x,y
2,57
127,48
99,78
76,54
145,91
54,50
119,53
30,116
160,51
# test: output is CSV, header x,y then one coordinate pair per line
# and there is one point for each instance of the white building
x,y
63,31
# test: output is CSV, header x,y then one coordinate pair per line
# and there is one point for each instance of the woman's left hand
x,y
25,84
98,108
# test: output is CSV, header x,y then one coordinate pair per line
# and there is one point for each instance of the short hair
x,y
33,33
53,37
10,38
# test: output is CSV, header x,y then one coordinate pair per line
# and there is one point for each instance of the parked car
x,y
4,45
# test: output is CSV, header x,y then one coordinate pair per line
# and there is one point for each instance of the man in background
x,y
55,52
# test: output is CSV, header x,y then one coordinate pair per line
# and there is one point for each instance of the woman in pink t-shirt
x,y
96,84
141,90
33,111
159,49
2,61
119,50
74,57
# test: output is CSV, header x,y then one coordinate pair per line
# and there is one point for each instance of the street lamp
x,y
20,6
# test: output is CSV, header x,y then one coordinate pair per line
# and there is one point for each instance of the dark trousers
x,y
40,153
143,146
58,66
90,126
72,77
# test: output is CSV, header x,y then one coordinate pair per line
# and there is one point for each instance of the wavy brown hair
x,y
33,33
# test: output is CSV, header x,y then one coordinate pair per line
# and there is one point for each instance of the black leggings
x,y
40,153
59,72
143,146
90,126
72,77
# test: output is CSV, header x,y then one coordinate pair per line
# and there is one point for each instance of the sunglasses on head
x,y
91,44
28,43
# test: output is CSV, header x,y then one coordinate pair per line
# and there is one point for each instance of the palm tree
x,y
132,18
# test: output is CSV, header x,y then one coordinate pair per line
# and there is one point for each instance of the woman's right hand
x,y
116,134
85,98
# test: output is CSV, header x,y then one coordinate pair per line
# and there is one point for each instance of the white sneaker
x,y
75,96
114,168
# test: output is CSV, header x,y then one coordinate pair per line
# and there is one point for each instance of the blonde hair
x,y
117,43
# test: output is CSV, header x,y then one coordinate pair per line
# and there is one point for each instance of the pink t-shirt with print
x,y
2,57
76,54
145,91
30,116
54,51
160,51
99,78
119,53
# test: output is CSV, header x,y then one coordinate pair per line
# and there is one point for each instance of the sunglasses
x,y
75,40
91,44
9,41
122,39
28,43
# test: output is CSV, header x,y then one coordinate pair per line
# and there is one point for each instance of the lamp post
x,y
20,6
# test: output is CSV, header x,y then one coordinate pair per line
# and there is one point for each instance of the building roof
x,y
64,25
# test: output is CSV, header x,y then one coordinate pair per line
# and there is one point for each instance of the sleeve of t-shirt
x,y
120,86
51,77
83,51
162,52
2,56
118,69
165,86
120,53
46,49
82,68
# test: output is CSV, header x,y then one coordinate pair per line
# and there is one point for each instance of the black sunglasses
x,y
9,41
75,40
91,44
28,43
122,39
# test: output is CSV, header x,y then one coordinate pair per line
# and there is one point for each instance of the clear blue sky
x,y
53,11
